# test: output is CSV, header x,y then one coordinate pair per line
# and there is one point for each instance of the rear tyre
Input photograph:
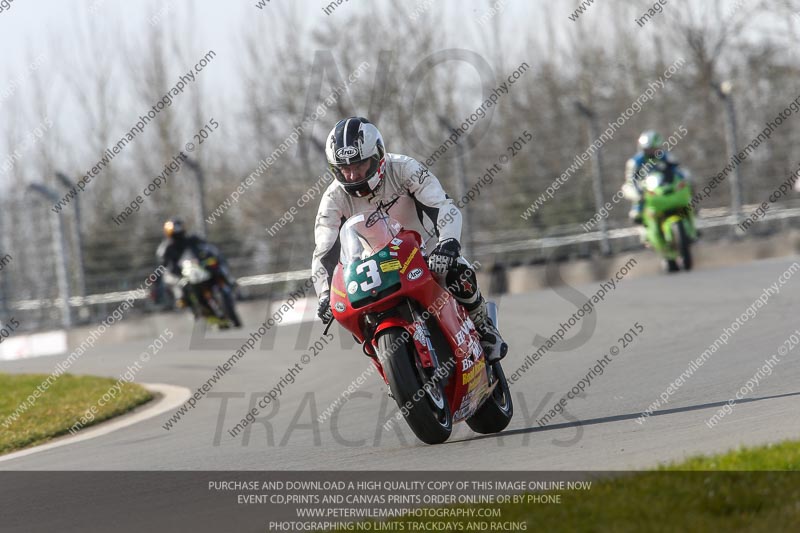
x,y
683,244
496,412
429,414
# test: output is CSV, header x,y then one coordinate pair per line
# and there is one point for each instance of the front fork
x,y
418,335
422,341
660,237
491,311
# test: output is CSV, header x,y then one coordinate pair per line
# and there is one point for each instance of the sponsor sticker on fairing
x,y
415,274
472,373
391,265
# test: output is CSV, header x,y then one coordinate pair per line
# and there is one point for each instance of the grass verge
x,y
751,489
60,406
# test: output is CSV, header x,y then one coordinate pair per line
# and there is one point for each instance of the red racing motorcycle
x,y
419,337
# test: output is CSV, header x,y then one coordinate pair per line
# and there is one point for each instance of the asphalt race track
x,y
682,315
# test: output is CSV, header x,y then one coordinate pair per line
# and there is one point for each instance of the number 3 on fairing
x,y
372,273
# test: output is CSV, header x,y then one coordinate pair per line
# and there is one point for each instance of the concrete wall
x,y
706,256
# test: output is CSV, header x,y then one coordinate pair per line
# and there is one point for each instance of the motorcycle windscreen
x,y
364,234
664,196
368,268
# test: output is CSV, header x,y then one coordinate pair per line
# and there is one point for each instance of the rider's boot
x,y
463,285
493,344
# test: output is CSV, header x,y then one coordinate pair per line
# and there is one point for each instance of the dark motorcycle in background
x,y
207,289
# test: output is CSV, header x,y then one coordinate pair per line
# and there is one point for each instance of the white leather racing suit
x,y
408,192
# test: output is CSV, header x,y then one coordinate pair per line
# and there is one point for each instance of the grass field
x,y
751,489
60,406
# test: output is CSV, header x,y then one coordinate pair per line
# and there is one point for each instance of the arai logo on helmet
x,y
414,274
346,152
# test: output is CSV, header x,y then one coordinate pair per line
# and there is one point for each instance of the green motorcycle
x,y
668,218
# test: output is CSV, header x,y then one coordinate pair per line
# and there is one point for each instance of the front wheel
x,y
496,412
683,244
230,306
420,399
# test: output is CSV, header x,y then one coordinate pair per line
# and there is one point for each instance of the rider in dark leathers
x,y
172,248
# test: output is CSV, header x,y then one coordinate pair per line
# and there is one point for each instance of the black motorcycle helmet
x,y
174,228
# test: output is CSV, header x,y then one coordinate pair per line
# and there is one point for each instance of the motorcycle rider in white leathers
x,y
368,179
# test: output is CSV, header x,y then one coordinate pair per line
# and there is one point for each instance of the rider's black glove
x,y
443,258
324,309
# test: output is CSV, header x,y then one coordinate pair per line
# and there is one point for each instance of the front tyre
x,y
683,244
496,412
421,399
670,266
230,307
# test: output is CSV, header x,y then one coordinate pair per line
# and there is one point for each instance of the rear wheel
x,y
683,244
420,398
496,412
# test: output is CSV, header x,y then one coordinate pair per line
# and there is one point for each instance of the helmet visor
x,y
356,177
